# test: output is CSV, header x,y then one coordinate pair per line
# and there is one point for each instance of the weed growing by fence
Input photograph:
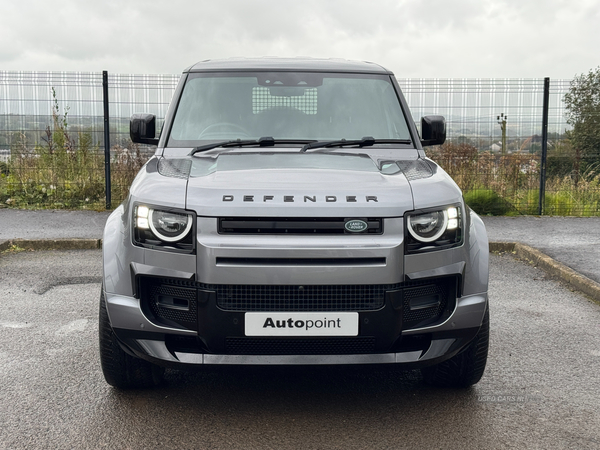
x,y
66,171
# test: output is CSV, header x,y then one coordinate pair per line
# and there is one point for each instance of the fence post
x,y
544,146
106,138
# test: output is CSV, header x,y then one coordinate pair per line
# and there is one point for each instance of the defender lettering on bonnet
x,y
306,198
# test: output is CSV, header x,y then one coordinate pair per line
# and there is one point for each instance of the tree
x,y
582,104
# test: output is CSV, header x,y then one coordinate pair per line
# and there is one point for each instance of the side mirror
x,y
433,130
142,129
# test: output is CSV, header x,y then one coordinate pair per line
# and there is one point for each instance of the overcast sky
x,y
413,38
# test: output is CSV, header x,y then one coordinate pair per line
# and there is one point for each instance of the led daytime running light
x,y
433,238
142,217
169,238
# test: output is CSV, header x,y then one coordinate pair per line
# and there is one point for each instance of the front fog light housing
x,y
434,229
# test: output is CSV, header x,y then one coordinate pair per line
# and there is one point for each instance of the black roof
x,y
275,64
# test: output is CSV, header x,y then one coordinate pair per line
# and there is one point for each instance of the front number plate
x,y
302,324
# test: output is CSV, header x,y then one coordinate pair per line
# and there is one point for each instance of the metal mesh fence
x,y
133,94
28,100
50,132
52,144
499,175
128,95
52,135
494,144
572,175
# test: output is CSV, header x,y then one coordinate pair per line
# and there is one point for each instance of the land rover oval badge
x,y
356,226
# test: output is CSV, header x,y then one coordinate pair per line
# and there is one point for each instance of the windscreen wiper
x,y
367,141
265,141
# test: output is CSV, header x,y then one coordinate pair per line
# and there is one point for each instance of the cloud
x,y
437,38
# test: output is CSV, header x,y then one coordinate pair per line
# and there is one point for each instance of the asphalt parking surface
x,y
573,241
540,389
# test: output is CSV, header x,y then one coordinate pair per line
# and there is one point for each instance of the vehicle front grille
x,y
293,346
300,298
295,225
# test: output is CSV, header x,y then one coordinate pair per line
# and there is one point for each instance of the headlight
x,y
169,226
429,226
434,229
158,227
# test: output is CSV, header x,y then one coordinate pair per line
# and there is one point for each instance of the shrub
x,y
487,202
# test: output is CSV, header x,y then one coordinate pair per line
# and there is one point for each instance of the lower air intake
x,y
292,346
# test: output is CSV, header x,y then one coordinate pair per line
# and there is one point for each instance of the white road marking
x,y
15,324
73,327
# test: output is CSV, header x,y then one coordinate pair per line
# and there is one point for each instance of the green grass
x,y
66,179
487,202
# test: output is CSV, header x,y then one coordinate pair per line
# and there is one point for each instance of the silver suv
x,y
290,216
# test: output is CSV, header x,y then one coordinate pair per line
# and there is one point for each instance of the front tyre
x,y
120,369
466,368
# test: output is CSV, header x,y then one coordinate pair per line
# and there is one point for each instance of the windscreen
x,y
286,105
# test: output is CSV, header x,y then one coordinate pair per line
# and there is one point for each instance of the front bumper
x,y
417,347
